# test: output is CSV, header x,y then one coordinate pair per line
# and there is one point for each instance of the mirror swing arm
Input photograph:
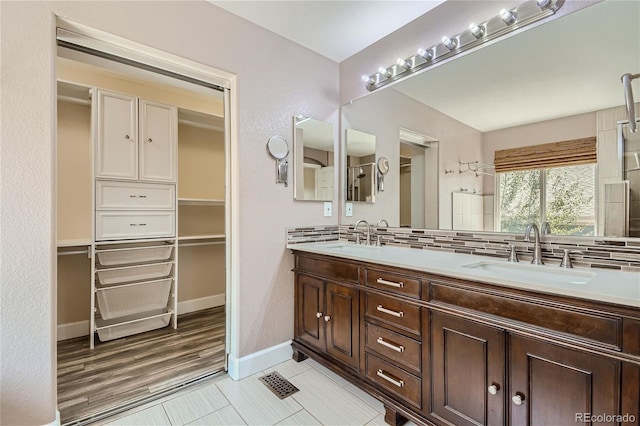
x,y
279,149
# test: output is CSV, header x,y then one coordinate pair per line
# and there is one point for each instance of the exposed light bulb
x,y
543,4
507,16
384,71
403,63
425,54
449,43
367,79
476,30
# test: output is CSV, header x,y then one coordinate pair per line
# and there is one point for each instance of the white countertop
x,y
603,285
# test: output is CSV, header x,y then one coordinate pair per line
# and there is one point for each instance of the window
x,y
562,196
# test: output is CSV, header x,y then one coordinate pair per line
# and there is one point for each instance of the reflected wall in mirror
x,y
536,87
314,175
360,170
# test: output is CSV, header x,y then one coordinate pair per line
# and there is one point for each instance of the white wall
x,y
276,80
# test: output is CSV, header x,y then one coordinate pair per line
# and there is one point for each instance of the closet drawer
x,y
113,195
128,225
130,299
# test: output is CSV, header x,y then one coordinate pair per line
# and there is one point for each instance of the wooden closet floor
x,y
127,369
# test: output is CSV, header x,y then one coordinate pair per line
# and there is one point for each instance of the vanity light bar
x,y
506,21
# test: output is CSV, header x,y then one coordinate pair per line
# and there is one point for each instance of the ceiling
x,y
334,29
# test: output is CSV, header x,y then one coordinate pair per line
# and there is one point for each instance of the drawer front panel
x,y
393,311
134,196
131,225
394,380
395,346
329,269
593,326
395,283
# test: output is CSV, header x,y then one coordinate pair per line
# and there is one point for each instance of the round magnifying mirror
x,y
383,165
278,147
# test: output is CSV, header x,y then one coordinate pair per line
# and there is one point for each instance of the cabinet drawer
x,y
126,225
395,380
393,311
112,195
329,269
392,345
395,283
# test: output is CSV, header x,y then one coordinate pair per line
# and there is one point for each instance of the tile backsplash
x,y
594,252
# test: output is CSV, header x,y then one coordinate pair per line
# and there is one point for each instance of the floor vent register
x,y
277,384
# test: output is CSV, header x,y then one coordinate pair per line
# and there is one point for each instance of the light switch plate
x,y
349,209
327,209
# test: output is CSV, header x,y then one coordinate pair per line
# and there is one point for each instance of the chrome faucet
x,y
537,251
355,228
380,223
545,228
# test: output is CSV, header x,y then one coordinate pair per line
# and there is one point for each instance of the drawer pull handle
x,y
398,383
133,224
390,345
133,196
142,196
399,284
142,224
382,309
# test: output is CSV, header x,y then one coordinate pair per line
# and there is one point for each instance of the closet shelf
x,y
201,237
74,243
200,202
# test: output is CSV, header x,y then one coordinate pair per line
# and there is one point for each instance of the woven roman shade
x,y
555,154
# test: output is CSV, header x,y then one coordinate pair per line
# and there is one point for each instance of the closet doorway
x,y
141,229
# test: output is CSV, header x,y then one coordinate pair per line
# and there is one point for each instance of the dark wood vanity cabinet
x,y
444,351
328,318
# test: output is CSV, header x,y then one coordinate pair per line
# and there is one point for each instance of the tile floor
x,y
323,398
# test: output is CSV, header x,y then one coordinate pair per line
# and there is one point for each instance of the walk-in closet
x,y
141,266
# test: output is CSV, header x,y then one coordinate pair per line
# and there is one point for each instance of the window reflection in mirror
x,y
314,174
360,166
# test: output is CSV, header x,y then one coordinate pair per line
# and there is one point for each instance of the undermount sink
x,y
533,273
354,248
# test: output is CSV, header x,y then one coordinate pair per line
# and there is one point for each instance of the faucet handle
x,y
513,255
566,259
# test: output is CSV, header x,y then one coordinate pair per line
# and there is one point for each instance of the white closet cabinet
x,y
135,138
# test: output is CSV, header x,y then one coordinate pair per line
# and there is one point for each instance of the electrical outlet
x,y
327,209
349,209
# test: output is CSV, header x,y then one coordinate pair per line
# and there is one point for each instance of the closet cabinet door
x,y
158,141
116,136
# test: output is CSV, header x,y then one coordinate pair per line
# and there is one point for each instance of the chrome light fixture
x,y
476,34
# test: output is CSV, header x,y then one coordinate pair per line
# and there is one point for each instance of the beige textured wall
x,y
74,288
201,271
200,163
74,171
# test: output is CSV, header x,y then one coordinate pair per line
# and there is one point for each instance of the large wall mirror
x,y
314,168
553,86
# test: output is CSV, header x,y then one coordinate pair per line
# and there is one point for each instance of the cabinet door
x,y
116,136
468,371
158,141
343,323
552,385
309,311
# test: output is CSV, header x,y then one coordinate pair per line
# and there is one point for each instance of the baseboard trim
x,y
73,329
193,305
239,368
81,328
56,421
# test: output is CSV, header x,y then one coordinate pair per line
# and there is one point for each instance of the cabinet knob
x,y
127,137
518,398
493,389
149,140
318,314
327,318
